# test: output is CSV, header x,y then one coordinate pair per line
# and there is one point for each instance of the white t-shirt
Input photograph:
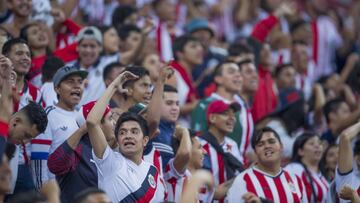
x,y
61,125
351,179
123,180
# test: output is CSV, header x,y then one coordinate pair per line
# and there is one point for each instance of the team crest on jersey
x,y
151,181
292,187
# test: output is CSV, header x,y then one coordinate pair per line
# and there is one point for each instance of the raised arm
x,y
199,178
345,162
93,121
156,100
182,156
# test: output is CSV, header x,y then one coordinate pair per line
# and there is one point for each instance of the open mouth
x,y
76,93
268,153
129,143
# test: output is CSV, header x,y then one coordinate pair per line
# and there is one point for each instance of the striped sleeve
x,y
64,159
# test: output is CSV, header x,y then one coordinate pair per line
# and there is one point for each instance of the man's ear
x,y
145,140
218,80
212,118
57,90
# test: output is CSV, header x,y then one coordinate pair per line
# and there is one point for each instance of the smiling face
x,y
312,150
197,154
230,78
37,37
223,122
21,58
89,51
250,78
268,149
131,139
21,8
70,90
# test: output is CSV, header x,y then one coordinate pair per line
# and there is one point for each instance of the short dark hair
x,y
259,134
243,62
299,144
297,24
279,68
51,65
84,194
125,30
219,68
138,71
28,197
10,43
331,106
239,48
121,13
180,43
36,115
169,88
109,68
130,116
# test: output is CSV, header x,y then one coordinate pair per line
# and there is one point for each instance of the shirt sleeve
x,y
263,28
171,172
343,179
63,159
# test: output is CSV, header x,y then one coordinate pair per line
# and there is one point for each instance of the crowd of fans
x,y
179,101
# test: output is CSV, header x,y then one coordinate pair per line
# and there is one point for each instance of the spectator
x,y
71,163
68,83
132,135
285,76
228,82
268,149
329,162
90,43
200,29
51,65
124,15
21,11
338,117
348,164
306,156
5,170
92,195
152,63
223,154
170,111
39,38
188,53
111,40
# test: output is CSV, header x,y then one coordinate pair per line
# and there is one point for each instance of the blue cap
x,y
198,24
66,71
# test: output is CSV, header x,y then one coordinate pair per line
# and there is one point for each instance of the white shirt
x,y
48,94
61,125
123,180
351,179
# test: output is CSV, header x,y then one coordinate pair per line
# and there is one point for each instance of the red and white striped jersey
x,y
352,179
247,128
326,39
319,182
176,182
281,188
28,93
154,158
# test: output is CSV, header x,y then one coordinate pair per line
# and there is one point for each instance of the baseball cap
x,y
66,71
198,24
89,32
219,106
85,110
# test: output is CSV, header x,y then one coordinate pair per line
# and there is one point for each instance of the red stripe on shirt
x,y
307,186
247,139
314,29
158,41
221,171
40,141
319,190
264,185
249,184
4,129
150,192
294,195
280,189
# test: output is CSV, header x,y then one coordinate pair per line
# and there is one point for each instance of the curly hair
x,y
36,115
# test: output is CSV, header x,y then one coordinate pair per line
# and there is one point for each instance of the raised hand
x,y
122,79
166,73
